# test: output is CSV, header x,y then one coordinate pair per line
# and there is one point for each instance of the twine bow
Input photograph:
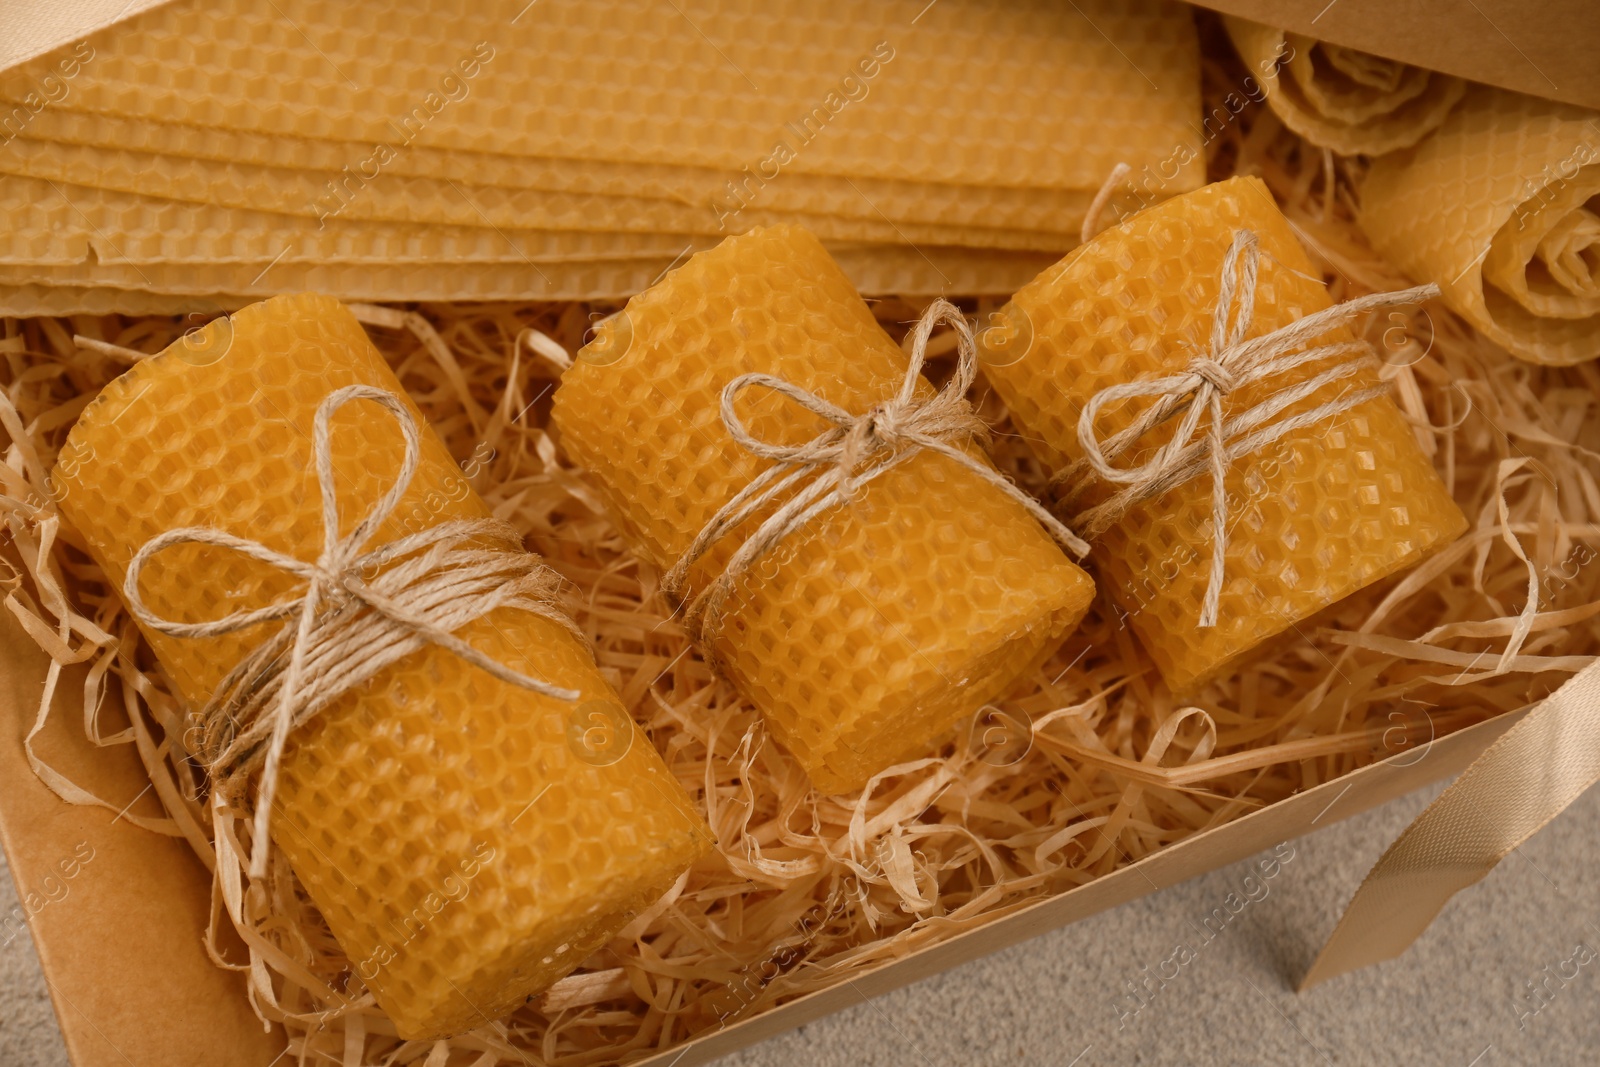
x,y
1231,363
838,462
423,586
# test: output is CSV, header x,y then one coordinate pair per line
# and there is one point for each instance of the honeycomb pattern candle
x,y
869,631
467,840
1311,517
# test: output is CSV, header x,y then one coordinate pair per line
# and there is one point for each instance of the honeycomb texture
x,y
1352,102
873,268
53,222
1030,94
461,219
869,633
488,226
169,148
463,853
1315,516
244,134
29,301
1482,207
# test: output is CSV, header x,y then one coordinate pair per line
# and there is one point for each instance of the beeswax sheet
x,y
30,300
967,91
325,197
1501,208
717,192
924,271
60,224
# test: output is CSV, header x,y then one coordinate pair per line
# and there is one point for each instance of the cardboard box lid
x,y
1549,49
1293,817
121,947
117,913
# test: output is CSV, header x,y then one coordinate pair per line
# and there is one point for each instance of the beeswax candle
x,y
1314,516
1501,209
1341,98
468,841
869,632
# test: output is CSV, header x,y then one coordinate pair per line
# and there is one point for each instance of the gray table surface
x,y
1459,998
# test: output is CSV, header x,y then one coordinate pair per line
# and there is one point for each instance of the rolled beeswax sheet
x,y
504,219
1313,517
873,268
970,92
726,196
1501,209
866,635
1350,101
464,851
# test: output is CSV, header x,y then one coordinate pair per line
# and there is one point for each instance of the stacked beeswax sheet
x,y
501,221
156,149
956,143
1501,208
1350,101
126,286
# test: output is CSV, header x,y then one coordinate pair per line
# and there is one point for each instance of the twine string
x,y
1198,391
1102,200
828,470
346,627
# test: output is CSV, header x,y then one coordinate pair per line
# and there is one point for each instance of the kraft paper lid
x,y
1546,49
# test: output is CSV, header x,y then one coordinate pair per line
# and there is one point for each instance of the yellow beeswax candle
x,y
1313,516
870,631
468,841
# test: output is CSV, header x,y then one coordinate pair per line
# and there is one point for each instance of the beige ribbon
x,y
1231,363
1525,779
348,627
30,28
853,452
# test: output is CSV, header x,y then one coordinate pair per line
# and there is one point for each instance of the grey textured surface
x,y
1460,998
28,1034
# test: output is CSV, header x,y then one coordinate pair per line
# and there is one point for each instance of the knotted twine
x,y
348,626
1229,364
841,460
